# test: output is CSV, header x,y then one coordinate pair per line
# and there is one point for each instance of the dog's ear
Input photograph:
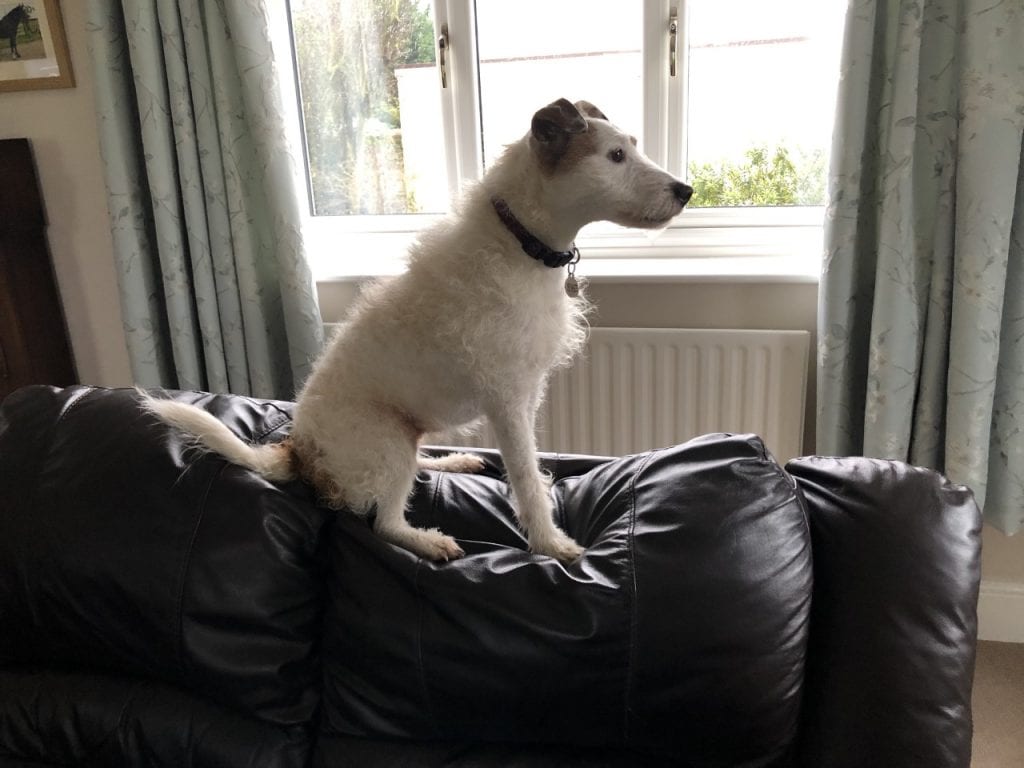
x,y
553,126
590,110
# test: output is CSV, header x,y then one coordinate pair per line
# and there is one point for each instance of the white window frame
x,y
760,243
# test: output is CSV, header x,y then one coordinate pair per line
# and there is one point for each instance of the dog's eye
x,y
617,155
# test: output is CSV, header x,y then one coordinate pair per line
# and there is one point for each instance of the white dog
x,y
473,328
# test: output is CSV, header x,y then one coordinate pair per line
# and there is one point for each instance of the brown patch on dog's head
x,y
579,147
553,129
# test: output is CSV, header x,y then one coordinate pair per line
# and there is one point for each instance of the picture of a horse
x,y
20,37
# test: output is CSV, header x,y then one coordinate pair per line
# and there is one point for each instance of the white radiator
x,y
640,388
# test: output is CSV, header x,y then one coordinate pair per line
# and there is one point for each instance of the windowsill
x,y
731,269
735,269
784,249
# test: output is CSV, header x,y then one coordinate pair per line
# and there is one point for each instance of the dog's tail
x,y
275,461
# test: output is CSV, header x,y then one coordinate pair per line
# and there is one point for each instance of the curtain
x,y
921,309
204,207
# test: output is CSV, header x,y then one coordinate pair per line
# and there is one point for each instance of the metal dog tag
x,y
572,287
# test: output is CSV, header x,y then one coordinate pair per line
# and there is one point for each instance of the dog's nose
x,y
683,192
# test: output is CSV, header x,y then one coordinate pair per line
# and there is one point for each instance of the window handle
x,y
442,48
673,33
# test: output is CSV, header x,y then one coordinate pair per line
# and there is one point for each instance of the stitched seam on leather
x,y
186,562
259,436
271,404
427,702
73,402
119,729
433,500
286,419
627,694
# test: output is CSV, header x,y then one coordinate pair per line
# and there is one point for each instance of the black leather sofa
x,y
161,607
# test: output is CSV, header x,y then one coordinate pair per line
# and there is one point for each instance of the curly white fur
x,y
473,328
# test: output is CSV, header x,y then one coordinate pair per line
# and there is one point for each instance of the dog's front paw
x,y
434,545
444,548
430,544
556,545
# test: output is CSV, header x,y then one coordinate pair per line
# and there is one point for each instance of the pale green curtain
x,y
215,290
921,315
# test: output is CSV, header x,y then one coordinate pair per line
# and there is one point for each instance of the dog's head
x,y
595,168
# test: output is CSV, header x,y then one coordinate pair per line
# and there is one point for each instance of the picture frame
x,y
33,46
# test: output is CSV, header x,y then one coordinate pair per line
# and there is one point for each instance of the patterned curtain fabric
x,y
921,314
215,289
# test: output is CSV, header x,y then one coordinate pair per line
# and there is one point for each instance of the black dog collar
x,y
533,246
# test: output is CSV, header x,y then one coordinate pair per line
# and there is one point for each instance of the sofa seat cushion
x,y
681,632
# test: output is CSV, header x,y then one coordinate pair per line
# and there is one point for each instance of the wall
x,y
61,125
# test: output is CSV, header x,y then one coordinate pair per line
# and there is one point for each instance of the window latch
x,y
673,33
442,48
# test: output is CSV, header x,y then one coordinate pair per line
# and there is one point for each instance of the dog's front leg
x,y
516,440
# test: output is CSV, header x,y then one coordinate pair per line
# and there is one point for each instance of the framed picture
x,y
33,48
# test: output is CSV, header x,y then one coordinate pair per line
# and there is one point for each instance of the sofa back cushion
x,y
121,549
681,632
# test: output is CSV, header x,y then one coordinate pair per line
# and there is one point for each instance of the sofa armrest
x,y
123,550
893,618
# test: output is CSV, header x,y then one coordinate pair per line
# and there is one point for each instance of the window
x,y
735,96
371,120
589,49
760,103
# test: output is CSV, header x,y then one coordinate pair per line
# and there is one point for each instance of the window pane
x,y
533,52
762,81
370,108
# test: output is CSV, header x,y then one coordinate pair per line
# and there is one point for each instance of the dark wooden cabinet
x,y
34,346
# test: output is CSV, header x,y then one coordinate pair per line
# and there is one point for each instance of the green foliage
x,y
421,41
347,52
764,177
